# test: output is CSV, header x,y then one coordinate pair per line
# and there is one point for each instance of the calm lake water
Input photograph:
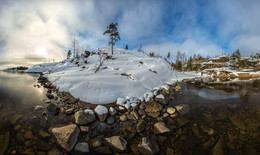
x,y
229,112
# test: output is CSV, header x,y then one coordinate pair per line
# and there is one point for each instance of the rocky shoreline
x,y
65,125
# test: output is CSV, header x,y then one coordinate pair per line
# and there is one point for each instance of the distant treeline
x,y
18,68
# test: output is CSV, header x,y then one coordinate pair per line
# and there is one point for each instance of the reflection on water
x,y
18,94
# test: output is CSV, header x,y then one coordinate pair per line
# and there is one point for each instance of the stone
x,y
160,128
142,106
134,112
55,151
38,108
130,117
103,150
84,128
182,108
141,112
218,148
84,117
70,111
140,126
238,122
101,112
53,109
165,115
43,146
82,148
28,135
66,136
171,110
116,142
181,121
19,138
123,118
148,147
177,88
50,96
96,142
110,120
195,131
153,109
43,134
112,111
4,142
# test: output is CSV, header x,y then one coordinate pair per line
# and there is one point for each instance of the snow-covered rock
x,y
129,73
101,112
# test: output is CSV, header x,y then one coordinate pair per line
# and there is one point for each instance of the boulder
x,y
182,108
101,113
82,148
4,142
160,128
148,147
123,118
111,120
84,128
50,96
153,109
53,109
66,136
181,121
84,117
116,142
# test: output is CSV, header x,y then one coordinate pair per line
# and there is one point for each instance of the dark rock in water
x,y
218,148
160,128
38,108
182,108
66,136
84,128
181,121
84,117
50,96
238,122
147,146
4,142
43,146
116,142
82,148
55,151
140,126
53,109
153,109
19,138
248,149
43,134
103,150
111,120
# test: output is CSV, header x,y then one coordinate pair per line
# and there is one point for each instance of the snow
x,y
160,96
88,111
129,73
101,110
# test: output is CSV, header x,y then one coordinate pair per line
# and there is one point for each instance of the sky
x,y
42,31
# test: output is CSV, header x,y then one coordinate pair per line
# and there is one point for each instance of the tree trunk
x,y
112,45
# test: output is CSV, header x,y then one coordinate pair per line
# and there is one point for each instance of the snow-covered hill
x,y
127,75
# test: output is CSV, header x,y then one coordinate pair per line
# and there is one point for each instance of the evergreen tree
x,y
169,55
189,64
140,49
113,33
126,47
69,54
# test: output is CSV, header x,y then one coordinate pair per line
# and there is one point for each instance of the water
x,y
229,112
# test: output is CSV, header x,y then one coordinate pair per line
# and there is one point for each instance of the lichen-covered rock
x,y
116,142
66,136
160,128
148,147
84,117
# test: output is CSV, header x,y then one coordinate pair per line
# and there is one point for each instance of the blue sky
x,y
40,31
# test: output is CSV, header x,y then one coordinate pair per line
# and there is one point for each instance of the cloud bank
x,y
40,31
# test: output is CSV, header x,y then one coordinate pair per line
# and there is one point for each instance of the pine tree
x,y
126,47
140,49
113,33
69,54
169,55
